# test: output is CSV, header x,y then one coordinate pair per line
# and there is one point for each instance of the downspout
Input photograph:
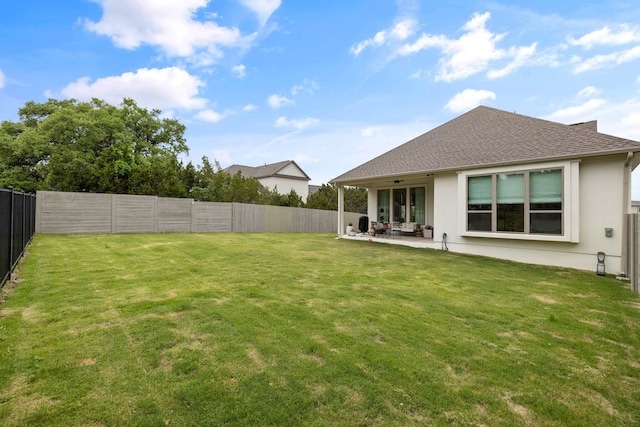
x,y
625,210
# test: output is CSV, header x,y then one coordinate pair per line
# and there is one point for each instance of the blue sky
x,y
328,84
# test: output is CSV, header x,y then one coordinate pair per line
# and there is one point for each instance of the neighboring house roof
x,y
486,136
314,188
270,170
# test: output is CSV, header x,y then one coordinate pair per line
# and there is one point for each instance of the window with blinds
x,y
529,202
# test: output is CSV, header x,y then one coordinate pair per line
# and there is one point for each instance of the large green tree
x,y
355,199
93,146
213,184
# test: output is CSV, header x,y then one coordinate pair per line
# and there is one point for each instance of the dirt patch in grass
x,y
6,312
352,396
24,400
600,401
519,410
165,365
89,361
545,299
583,296
9,287
318,389
153,245
315,357
31,314
255,357
591,322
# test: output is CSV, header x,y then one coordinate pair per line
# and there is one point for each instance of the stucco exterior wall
x,y
285,185
600,206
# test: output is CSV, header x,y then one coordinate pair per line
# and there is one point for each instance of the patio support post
x,y
340,210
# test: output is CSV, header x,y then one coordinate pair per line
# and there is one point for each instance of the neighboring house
x,y
285,176
508,186
314,188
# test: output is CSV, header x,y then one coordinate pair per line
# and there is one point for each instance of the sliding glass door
x,y
416,198
399,204
383,206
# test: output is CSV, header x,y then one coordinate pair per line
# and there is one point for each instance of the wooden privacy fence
x,y
59,212
17,226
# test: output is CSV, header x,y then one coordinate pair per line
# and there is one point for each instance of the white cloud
x,y
578,113
222,156
308,86
277,101
169,25
471,53
249,107
239,71
601,61
162,88
369,131
588,92
605,36
300,124
262,8
209,116
520,57
468,99
399,32
1,79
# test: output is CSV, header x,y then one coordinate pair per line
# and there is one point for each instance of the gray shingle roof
x,y
265,171
486,136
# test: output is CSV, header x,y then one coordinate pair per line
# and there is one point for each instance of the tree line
x,y
68,145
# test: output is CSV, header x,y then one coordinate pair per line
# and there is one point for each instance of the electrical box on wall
x,y
608,232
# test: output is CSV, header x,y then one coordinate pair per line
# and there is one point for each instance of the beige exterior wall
x,y
597,204
292,170
285,185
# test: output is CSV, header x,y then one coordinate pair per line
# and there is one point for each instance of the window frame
x,y
568,211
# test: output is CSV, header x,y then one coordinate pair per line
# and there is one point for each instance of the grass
x,y
303,329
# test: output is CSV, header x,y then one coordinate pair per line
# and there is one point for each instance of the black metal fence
x,y
17,227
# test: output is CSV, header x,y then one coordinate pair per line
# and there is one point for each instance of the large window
x,y
528,202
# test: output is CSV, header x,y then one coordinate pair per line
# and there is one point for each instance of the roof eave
x,y
364,181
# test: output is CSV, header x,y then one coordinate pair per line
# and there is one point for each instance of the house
x,y
285,176
505,185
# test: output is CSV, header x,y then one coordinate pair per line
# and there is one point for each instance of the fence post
x,y
632,250
11,207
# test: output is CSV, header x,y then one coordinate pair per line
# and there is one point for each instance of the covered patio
x,y
395,239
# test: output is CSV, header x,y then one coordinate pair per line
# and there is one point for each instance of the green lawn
x,y
303,329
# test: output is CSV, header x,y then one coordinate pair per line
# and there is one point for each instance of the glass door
x,y
416,196
383,206
399,204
